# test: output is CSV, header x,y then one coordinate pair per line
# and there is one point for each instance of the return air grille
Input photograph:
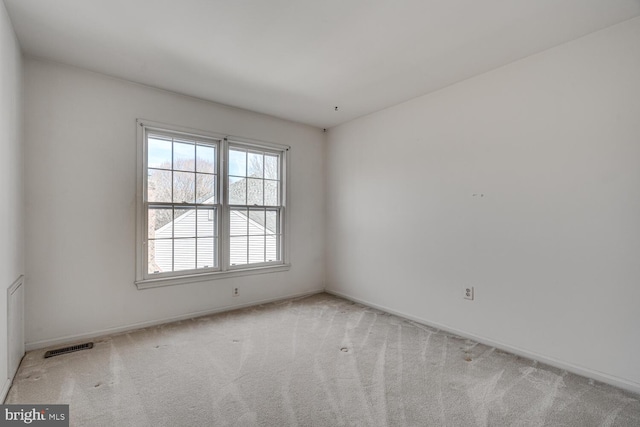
x,y
69,349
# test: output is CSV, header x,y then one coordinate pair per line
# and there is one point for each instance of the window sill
x,y
204,277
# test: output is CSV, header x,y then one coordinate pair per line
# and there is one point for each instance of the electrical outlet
x,y
236,292
467,292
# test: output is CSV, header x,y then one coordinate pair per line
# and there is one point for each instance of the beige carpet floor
x,y
316,361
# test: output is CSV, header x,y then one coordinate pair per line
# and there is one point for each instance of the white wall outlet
x,y
236,292
467,292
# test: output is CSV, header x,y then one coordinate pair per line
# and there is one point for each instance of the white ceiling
x,y
298,59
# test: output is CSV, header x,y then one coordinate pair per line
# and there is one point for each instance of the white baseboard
x,y
570,367
68,339
5,390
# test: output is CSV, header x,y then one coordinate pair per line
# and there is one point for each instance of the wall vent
x,y
70,349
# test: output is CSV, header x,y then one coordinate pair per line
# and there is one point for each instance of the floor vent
x,y
69,349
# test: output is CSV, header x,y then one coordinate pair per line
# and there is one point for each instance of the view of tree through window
x,y
254,183
181,192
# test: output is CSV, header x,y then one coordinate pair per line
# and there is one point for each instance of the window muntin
x,y
209,207
254,235
255,205
181,203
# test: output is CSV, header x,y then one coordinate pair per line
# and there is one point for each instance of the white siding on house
x,y
194,246
254,239
251,241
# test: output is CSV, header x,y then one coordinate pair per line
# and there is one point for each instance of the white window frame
x,y
224,269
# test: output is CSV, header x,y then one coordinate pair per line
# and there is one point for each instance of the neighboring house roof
x,y
165,231
239,224
256,226
236,190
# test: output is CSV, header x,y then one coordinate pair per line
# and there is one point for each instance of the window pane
x,y
271,193
158,152
238,250
182,177
184,223
205,188
272,248
184,187
239,222
237,162
237,191
255,166
207,223
160,255
205,158
255,192
256,222
271,168
160,223
206,253
272,222
184,156
158,186
256,249
184,254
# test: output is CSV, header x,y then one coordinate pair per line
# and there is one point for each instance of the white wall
x,y
11,172
80,136
553,247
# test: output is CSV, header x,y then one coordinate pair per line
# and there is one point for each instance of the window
x,y
255,208
209,206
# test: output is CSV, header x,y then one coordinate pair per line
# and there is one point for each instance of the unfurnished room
x,y
320,213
